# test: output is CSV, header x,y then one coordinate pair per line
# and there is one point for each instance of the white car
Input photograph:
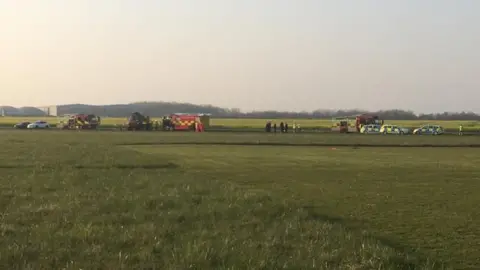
x,y
38,124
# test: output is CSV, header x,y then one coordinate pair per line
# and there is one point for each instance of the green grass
x,y
260,123
327,123
103,200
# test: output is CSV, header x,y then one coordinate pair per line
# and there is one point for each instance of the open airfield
x,y
178,200
242,123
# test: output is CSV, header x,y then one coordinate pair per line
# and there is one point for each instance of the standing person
x,y
298,127
164,123
275,127
286,128
282,127
460,130
294,127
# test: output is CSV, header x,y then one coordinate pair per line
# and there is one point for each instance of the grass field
x,y
118,200
327,123
260,123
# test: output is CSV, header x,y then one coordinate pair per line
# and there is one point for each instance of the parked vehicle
x,y
38,124
394,129
366,119
429,130
343,125
22,125
78,121
370,129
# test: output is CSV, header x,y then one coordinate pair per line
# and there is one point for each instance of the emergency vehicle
x,y
429,129
370,129
394,129
186,121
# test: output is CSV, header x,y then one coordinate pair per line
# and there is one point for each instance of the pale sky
x,y
421,55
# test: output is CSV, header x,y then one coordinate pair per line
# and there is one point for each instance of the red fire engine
x,y
188,121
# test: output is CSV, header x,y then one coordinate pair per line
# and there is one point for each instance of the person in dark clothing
x,y
286,128
275,127
282,127
268,127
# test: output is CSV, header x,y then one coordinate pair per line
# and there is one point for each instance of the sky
x,y
250,54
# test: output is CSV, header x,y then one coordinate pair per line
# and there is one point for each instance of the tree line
x,y
158,109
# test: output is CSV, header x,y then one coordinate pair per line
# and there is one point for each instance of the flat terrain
x,y
119,200
327,123
260,123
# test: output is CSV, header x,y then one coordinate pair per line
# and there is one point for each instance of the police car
x,y
429,130
394,129
370,129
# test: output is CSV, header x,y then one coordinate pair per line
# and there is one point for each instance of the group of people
x,y
165,123
269,127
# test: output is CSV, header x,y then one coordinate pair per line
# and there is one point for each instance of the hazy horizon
x,y
253,55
